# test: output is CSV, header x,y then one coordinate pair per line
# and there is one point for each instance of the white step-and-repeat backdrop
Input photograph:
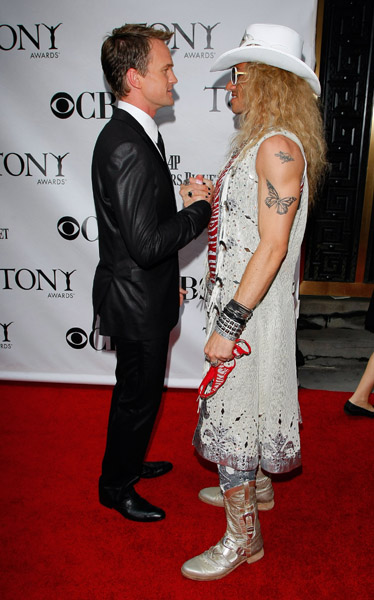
x,y
54,102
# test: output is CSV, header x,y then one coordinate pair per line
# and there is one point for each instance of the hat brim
x,y
268,56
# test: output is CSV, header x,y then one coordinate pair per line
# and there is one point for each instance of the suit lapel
x,y
122,115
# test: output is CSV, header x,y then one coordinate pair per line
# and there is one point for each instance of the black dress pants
x,y
136,398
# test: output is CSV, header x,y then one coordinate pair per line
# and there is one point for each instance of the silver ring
x,y
215,363
189,194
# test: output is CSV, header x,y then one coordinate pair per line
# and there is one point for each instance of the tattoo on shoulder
x,y
272,199
284,157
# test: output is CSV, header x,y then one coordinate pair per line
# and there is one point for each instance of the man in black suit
x,y
136,285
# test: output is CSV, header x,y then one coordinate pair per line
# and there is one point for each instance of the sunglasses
x,y
234,75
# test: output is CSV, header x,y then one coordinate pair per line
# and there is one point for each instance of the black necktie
x,y
160,144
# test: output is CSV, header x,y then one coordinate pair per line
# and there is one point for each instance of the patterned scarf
x,y
213,223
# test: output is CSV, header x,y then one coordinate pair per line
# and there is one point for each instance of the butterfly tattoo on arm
x,y
281,203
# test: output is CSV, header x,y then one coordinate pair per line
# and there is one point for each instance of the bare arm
x,y
280,167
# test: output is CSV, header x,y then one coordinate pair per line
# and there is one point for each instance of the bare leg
x,y
365,387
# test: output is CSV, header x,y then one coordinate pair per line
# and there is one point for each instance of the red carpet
x,y
58,542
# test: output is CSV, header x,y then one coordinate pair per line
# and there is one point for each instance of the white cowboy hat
x,y
273,45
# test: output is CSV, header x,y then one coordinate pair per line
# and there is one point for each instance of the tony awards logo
x,y
57,280
195,39
5,342
40,38
47,164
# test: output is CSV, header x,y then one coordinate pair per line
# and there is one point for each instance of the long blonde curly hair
x,y
277,99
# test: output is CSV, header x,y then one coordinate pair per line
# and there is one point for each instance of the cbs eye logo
x,y
69,228
88,105
62,105
77,338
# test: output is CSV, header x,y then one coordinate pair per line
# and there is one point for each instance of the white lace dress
x,y
255,414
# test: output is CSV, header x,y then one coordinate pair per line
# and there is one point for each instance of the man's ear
x,y
133,78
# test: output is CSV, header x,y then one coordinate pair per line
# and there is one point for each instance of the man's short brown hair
x,y
127,48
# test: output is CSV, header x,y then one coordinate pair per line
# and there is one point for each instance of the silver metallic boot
x,y
241,543
264,493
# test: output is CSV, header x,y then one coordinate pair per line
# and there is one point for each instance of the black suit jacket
x,y
136,283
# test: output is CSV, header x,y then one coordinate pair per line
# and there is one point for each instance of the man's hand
x,y
218,348
182,294
198,188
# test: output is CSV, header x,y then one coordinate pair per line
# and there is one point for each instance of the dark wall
x,y
346,75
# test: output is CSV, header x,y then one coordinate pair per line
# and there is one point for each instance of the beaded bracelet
x,y
233,320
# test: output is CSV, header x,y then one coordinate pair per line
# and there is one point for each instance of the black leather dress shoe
x,y
357,411
155,469
133,507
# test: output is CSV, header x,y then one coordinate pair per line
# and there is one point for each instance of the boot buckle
x,y
249,520
230,545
